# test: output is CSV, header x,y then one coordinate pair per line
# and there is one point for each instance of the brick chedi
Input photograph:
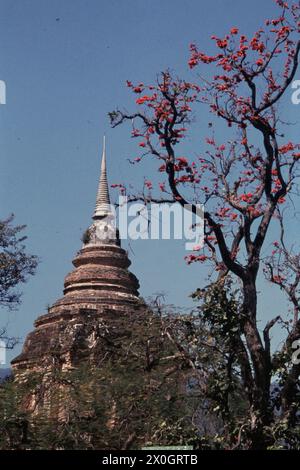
x,y
99,291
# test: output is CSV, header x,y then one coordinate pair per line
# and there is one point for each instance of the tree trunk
x,y
260,402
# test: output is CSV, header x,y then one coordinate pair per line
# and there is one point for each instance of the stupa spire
x,y
102,208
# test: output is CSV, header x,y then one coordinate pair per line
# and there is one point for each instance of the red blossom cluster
x,y
246,59
121,187
194,258
162,100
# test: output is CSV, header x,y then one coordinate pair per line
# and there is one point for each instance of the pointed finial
x,y
103,153
102,208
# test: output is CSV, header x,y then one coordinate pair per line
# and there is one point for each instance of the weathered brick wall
x,y
100,289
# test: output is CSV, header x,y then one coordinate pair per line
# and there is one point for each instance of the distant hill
x,y
4,373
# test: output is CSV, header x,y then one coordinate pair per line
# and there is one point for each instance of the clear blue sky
x,y
65,63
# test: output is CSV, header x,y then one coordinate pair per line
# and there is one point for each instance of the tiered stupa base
x,y
99,293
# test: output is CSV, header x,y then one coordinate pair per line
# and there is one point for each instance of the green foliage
x,y
86,236
165,378
14,420
222,318
120,399
15,264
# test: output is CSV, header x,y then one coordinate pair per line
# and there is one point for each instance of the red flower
x,y
222,44
182,161
148,184
286,148
246,197
193,62
278,279
145,98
